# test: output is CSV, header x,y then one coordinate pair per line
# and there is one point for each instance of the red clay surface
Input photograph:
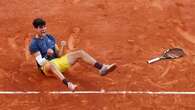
x,y
127,32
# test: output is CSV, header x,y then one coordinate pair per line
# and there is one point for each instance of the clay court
x,y
127,32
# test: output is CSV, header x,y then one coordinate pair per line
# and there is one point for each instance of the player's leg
x,y
75,55
50,69
81,54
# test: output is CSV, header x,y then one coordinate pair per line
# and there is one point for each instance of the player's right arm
x,y
35,51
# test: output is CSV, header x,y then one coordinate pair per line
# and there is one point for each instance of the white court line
x,y
19,92
99,92
124,92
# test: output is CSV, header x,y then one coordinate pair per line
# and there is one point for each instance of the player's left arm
x,y
73,42
60,51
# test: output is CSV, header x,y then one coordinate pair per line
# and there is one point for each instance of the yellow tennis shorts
x,y
61,63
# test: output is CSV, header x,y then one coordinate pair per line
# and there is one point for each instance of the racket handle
x,y
153,60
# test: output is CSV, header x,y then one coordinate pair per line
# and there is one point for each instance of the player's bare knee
x,y
82,51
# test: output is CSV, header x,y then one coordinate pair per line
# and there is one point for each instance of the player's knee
x,y
83,53
80,51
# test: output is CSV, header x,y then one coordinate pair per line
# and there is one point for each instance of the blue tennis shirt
x,y
42,45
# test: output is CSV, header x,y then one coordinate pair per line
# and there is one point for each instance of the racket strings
x,y
174,53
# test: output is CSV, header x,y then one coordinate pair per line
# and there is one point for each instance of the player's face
x,y
42,30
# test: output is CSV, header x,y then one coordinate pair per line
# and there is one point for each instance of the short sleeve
x,y
33,48
52,38
51,42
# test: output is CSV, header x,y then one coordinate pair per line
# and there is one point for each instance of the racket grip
x,y
153,60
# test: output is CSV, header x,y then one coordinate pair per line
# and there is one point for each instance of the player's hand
x,y
72,86
50,52
63,43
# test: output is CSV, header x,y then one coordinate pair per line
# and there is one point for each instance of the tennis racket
x,y
172,53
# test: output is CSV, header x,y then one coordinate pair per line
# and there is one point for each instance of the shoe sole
x,y
110,69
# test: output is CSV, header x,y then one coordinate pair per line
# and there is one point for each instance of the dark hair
x,y
38,22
